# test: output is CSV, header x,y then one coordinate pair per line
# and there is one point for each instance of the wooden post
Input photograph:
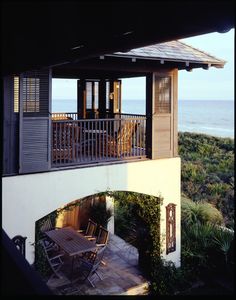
x,y
117,96
81,98
149,105
102,98
161,107
111,99
93,97
175,112
10,162
78,98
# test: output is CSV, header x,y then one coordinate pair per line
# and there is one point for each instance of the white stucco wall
x,y
27,198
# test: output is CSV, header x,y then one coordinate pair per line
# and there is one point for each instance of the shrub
x,y
199,212
167,279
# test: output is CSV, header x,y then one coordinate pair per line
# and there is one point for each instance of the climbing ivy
x,y
146,212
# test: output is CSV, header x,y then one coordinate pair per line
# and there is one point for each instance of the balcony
x,y
83,141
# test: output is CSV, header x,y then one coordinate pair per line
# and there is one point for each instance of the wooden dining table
x,y
72,242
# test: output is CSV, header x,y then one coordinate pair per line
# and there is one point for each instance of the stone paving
x,y
119,272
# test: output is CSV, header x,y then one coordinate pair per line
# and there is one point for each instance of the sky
x,y
212,84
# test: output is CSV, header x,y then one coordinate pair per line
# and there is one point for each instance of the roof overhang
x,y
39,34
139,62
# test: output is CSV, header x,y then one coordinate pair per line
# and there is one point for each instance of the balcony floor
x,y
120,274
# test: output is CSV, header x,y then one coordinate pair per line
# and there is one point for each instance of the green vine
x,y
146,212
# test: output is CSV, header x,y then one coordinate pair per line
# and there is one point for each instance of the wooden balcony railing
x,y
65,116
98,140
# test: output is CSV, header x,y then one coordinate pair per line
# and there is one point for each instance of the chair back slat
x,y
65,137
91,228
55,263
47,225
99,256
103,235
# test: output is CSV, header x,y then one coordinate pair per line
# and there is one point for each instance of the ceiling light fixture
x,y
77,47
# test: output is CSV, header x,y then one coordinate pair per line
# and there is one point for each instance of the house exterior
x,y
52,159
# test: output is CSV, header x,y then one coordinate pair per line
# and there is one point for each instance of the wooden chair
x,y
61,117
90,230
102,238
47,226
65,140
53,258
88,264
117,146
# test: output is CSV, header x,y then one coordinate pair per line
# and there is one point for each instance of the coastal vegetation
x,y
207,247
207,171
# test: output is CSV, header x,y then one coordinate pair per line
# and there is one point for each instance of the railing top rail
x,y
128,114
98,120
61,113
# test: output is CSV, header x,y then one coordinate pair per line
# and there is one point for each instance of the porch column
x,y
102,98
111,98
111,222
81,98
149,116
161,110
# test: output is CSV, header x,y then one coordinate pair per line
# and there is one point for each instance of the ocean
x,y
202,116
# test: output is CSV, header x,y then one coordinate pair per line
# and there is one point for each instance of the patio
x,y
120,274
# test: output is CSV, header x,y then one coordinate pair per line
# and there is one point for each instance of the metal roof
x,y
172,51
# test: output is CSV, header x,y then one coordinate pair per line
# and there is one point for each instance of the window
x,y
170,228
163,95
89,95
31,94
96,86
92,95
16,94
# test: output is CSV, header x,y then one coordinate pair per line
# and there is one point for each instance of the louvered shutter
x,y
35,103
163,115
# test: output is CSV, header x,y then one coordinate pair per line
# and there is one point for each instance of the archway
x,y
136,217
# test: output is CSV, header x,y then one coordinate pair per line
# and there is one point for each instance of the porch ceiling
x,y
37,34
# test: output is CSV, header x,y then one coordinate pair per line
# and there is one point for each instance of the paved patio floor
x,y
119,272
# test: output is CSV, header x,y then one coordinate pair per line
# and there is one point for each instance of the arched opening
x,y
136,219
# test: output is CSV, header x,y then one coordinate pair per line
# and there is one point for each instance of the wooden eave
x,y
180,62
117,66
